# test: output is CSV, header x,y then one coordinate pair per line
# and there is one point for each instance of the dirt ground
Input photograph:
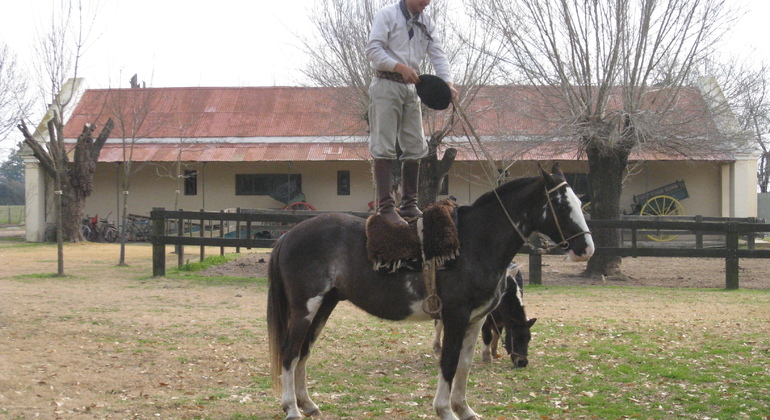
x,y
113,342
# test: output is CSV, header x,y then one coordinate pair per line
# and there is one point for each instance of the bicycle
x,y
138,228
105,230
50,231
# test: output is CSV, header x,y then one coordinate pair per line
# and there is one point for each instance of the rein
x,y
564,243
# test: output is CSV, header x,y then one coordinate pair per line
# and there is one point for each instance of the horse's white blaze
x,y
519,291
577,217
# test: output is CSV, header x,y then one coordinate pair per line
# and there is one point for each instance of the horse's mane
x,y
517,185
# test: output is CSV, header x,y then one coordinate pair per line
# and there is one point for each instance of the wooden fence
x,y
704,237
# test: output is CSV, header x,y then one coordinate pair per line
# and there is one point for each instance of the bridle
x,y
563,244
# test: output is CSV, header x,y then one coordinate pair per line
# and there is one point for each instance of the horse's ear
x,y
549,181
556,170
543,172
531,322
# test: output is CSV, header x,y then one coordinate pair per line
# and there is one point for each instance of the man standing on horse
x,y
400,38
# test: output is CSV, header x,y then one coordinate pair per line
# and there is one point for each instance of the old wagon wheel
x,y
299,205
586,208
662,205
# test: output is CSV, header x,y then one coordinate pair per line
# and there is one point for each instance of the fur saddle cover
x,y
434,236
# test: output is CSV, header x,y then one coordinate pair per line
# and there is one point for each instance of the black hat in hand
x,y
434,92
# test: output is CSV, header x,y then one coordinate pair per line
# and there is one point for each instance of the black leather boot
x,y
386,203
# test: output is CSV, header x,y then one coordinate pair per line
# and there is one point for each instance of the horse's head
x,y
516,342
564,220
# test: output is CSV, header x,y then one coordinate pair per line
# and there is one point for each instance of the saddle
x,y
431,237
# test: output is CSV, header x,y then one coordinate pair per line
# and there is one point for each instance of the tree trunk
x,y
605,177
74,179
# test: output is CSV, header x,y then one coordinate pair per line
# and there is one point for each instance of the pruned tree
x,y
610,76
59,51
336,59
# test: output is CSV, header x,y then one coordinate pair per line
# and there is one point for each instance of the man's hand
x,y
407,73
454,91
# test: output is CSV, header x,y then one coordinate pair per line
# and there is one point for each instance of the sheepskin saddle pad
x,y
433,236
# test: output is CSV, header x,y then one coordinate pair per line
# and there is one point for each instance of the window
x,y
266,184
343,182
190,182
444,186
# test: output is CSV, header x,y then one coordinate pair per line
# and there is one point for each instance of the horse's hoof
x,y
313,413
473,417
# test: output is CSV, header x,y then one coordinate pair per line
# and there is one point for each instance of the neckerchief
x,y
412,21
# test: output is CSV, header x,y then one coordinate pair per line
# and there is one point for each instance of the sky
x,y
226,43
172,43
177,43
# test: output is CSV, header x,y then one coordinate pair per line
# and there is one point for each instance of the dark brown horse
x,y
323,261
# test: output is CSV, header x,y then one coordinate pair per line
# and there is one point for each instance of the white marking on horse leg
x,y
300,386
441,404
438,327
288,396
459,385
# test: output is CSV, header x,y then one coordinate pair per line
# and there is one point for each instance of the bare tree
x,y
336,59
59,51
15,101
131,109
609,74
746,87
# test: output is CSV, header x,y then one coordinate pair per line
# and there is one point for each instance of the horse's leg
x,y
290,351
294,353
456,330
459,403
438,326
488,337
300,376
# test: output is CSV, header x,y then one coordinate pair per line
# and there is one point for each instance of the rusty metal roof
x,y
316,124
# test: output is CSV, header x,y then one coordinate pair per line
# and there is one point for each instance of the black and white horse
x,y
323,261
508,320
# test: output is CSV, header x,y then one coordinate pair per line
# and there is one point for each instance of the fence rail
x,y
244,228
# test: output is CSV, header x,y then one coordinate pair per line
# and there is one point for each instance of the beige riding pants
x,y
394,116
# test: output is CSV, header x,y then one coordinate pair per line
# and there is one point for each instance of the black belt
x,y
390,75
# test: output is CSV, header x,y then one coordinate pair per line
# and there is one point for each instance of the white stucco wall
x,y
216,185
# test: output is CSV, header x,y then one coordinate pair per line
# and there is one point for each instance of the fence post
x,y
731,262
221,233
180,248
535,268
158,246
698,233
238,231
202,235
751,237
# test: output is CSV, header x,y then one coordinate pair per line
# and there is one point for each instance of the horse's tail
x,y
277,315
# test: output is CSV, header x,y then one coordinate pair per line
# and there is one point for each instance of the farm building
x,y
217,148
